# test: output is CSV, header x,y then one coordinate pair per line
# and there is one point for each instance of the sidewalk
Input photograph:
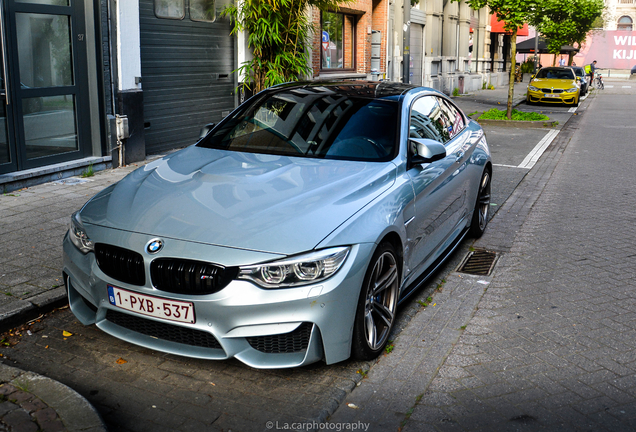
x,y
34,221
497,96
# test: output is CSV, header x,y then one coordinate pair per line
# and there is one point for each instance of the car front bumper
x,y
559,98
263,328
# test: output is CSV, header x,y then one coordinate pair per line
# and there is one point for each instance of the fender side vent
x,y
479,262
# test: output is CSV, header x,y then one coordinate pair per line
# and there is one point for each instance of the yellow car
x,y
554,85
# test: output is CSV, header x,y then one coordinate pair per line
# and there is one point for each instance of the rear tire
x,y
375,314
482,206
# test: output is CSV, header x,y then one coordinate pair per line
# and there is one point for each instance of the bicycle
x,y
598,81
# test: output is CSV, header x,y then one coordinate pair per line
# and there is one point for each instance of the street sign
x,y
325,37
325,45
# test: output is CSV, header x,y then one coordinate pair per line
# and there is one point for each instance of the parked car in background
x,y
290,232
580,75
633,71
554,85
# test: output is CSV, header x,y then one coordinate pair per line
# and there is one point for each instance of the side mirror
x,y
206,130
426,150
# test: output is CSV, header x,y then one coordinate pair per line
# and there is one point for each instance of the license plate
x,y
552,95
171,310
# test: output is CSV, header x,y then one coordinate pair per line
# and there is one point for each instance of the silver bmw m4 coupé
x,y
290,232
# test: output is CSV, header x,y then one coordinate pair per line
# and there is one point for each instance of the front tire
x,y
482,206
375,314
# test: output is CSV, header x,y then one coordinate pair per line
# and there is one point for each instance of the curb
x,y
21,311
75,412
527,124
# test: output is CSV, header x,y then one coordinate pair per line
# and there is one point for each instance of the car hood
x,y
553,83
250,201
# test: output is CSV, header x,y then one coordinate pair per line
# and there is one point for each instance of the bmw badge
x,y
154,246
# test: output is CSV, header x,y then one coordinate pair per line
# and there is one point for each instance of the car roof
x,y
558,67
356,88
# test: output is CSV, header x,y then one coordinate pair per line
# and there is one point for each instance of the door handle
x,y
3,47
459,155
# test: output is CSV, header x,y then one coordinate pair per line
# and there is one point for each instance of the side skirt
x,y
424,277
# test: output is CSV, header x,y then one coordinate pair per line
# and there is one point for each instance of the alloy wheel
x,y
381,300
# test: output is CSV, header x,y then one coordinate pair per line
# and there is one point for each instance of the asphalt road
x,y
136,389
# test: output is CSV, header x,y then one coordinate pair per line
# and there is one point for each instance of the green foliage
x,y
455,91
483,85
527,66
278,34
88,172
566,22
513,13
389,347
495,114
491,87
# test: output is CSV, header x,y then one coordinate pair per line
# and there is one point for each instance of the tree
x,y
566,22
514,14
278,34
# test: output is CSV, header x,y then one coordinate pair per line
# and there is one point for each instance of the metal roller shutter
x,y
187,79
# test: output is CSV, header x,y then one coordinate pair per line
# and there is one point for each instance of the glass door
x,y
47,60
7,151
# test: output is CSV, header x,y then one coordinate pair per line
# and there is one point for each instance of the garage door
x,y
186,67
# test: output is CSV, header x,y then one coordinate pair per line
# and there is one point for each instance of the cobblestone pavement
x,y
437,348
136,389
552,344
22,411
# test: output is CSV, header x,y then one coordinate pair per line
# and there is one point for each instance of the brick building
x,y
343,45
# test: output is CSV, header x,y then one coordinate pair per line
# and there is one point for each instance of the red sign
x,y
497,26
325,45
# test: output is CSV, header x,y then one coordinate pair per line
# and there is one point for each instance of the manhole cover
x,y
70,181
479,262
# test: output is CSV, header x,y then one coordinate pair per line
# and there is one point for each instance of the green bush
x,y
495,114
527,66
455,91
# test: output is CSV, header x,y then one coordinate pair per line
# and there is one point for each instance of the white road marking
x,y
507,166
627,87
538,150
573,109
609,86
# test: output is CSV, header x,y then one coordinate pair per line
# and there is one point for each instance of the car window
x,y
431,118
555,73
455,115
314,123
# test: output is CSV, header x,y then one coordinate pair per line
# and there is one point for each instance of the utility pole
x,y
406,43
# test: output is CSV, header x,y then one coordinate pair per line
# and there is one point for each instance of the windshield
x,y
555,73
311,122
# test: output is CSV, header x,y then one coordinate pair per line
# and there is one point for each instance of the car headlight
x,y
296,271
78,235
572,90
533,88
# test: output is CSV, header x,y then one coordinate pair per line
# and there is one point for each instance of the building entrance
x,y
44,90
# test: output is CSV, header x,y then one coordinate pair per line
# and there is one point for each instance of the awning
x,y
527,47
497,26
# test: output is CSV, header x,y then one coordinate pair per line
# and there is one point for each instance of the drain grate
x,y
479,262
